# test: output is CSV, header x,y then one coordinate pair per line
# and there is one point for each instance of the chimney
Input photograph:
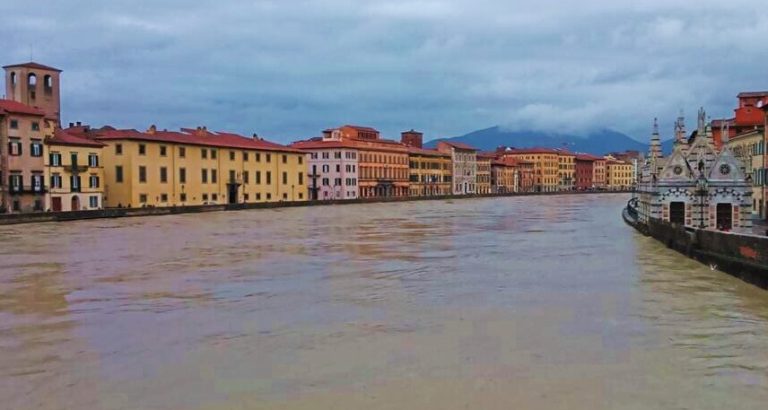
x,y
152,129
71,125
412,138
79,123
255,136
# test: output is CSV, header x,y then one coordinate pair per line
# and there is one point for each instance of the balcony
x,y
75,169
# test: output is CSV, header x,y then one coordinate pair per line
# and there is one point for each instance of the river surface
x,y
530,302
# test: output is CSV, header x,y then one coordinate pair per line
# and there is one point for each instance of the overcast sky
x,y
287,69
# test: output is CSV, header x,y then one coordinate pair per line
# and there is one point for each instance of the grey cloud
x,y
288,69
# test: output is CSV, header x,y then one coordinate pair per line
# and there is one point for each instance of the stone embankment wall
x,y
11,219
743,256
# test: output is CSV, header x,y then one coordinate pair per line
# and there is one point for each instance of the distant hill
x,y
599,142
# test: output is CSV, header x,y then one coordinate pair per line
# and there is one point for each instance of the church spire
x,y
680,129
655,148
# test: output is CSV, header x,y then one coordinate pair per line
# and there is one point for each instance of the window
x,y
73,159
163,197
215,197
269,196
231,155
285,159
118,149
163,175
285,196
269,157
258,196
54,159
93,160
74,183
337,154
56,181
183,197
182,152
14,147
182,175
93,181
93,201
245,178
301,161
258,157
246,197
213,176
143,198
269,176
338,168
142,149
326,168
37,182
142,174
204,176
245,157
326,181
301,195
14,124
205,197
119,173
15,183
35,126
285,178
163,151
301,178
213,154
204,153
232,176
258,177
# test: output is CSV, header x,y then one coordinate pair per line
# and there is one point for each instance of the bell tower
x,y
35,85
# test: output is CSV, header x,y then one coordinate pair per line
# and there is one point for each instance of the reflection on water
x,y
492,303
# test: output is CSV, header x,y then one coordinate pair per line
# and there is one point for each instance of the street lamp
x,y
702,188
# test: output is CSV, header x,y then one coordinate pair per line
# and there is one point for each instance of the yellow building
x,y
484,172
430,172
619,175
546,166
196,167
748,148
75,173
566,170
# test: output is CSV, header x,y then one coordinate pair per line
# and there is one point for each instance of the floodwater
x,y
530,302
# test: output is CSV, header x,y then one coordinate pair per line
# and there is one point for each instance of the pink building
x,y
333,167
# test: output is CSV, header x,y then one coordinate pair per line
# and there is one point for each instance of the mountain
x,y
598,142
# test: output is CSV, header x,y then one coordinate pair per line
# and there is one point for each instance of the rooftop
x,y
62,137
14,107
189,136
748,94
32,64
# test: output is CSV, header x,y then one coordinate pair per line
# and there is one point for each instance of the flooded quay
x,y
497,303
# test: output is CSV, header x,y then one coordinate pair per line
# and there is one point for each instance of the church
x,y
696,185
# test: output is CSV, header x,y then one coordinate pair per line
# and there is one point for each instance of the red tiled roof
x,y
15,107
719,122
32,64
62,137
588,157
359,128
459,145
534,150
429,152
320,144
193,137
748,94
486,155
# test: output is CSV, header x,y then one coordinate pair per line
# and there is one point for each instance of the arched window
x,y
48,84
13,78
32,80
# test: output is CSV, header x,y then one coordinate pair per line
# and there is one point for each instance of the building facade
x,y
696,186
566,170
464,166
546,166
619,175
22,168
333,168
748,149
195,167
584,172
504,176
484,172
429,169
35,85
74,170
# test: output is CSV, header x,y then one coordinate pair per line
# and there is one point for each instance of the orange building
x,y
383,163
747,117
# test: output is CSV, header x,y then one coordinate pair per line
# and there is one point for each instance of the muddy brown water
x,y
531,302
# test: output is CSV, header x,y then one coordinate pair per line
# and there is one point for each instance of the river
x,y
528,302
